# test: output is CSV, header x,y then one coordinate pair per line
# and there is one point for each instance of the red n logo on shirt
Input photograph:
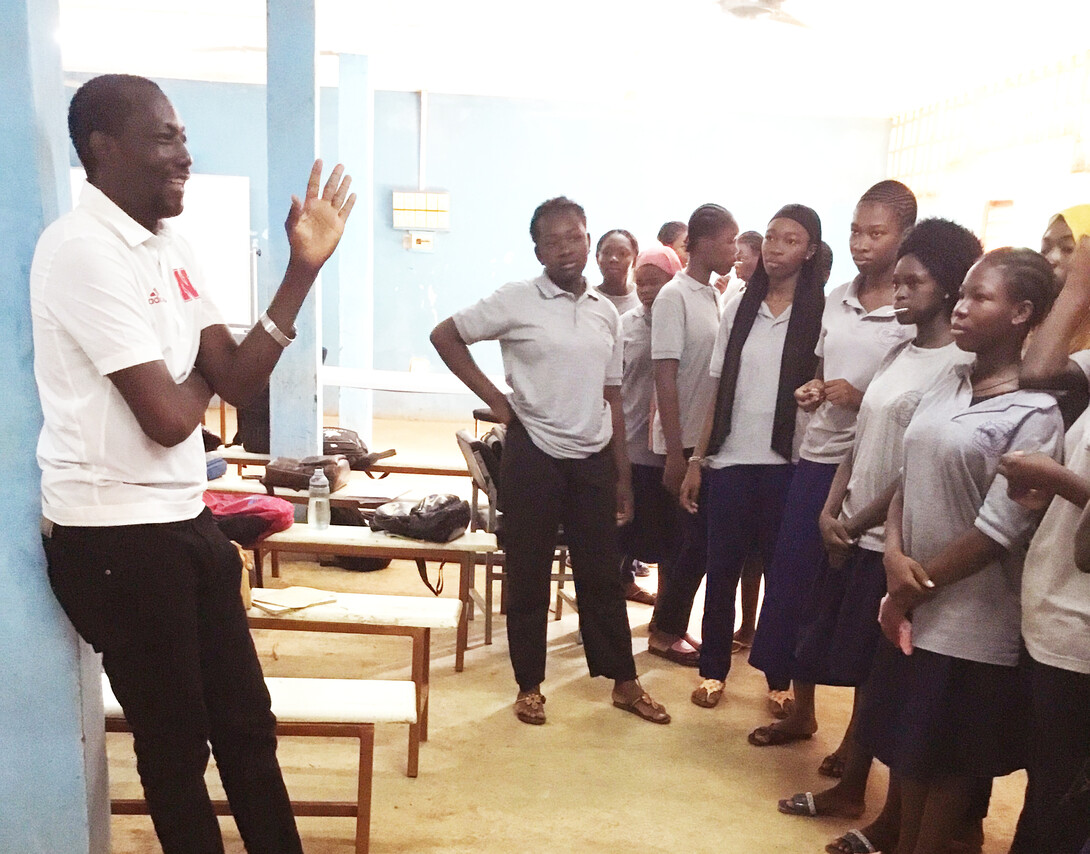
x,y
185,287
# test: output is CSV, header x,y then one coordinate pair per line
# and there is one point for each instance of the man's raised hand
x,y
315,224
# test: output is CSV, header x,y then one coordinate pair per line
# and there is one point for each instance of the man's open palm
x,y
315,225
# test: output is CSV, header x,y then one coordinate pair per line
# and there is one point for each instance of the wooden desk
x,y
361,491
363,542
421,468
236,456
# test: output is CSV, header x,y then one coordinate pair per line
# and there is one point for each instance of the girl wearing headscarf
x,y
858,329
1058,243
764,349
647,536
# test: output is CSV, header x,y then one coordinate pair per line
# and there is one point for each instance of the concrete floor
x,y
593,779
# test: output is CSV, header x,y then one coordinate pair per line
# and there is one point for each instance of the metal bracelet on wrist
x,y
275,332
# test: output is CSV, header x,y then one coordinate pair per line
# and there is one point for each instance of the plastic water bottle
x,y
318,505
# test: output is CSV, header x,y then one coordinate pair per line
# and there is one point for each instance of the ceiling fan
x,y
754,10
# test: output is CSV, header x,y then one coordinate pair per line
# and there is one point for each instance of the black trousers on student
x,y
682,568
1056,815
647,537
539,492
162,604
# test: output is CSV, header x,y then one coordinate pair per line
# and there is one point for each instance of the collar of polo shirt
x,y
693,284
105,209
550,289
851,298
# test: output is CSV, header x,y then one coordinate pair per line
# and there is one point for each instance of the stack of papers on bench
x,y
289,599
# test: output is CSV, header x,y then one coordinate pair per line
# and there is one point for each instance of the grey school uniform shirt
x,y
888,405
624,302
638,386
1055,595
951,453
852,344
559,353
685,321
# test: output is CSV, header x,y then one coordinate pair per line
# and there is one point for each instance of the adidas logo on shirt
x,y
153,297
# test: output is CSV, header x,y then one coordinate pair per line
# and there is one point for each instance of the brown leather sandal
x,y
530,707
644,707
708,693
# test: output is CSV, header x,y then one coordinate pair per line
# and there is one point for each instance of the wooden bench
x,y
363,542
371,614
345,708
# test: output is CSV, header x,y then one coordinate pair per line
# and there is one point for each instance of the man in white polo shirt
x,y
127,353
562,354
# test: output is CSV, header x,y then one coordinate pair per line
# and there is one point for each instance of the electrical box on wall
x,y
428,210
420,241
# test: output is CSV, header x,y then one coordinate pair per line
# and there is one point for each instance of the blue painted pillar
x,y
356,146
53,768
292,121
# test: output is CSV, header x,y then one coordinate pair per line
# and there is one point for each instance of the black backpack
x,y
347,443
437,518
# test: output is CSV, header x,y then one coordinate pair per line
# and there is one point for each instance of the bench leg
x,y
419,731
422,678
562,574
276,564
488,599
413,767
363,793
465,580
259,567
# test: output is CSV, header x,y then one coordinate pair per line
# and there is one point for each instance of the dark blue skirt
x,y
840,633
926,715
789,578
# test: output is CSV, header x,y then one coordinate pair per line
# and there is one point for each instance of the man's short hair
x,y
559,205
104,104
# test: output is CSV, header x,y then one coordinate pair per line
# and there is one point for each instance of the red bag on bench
x,y
248,519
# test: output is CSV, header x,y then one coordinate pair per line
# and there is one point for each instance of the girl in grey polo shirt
x,y
944,707
564,458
